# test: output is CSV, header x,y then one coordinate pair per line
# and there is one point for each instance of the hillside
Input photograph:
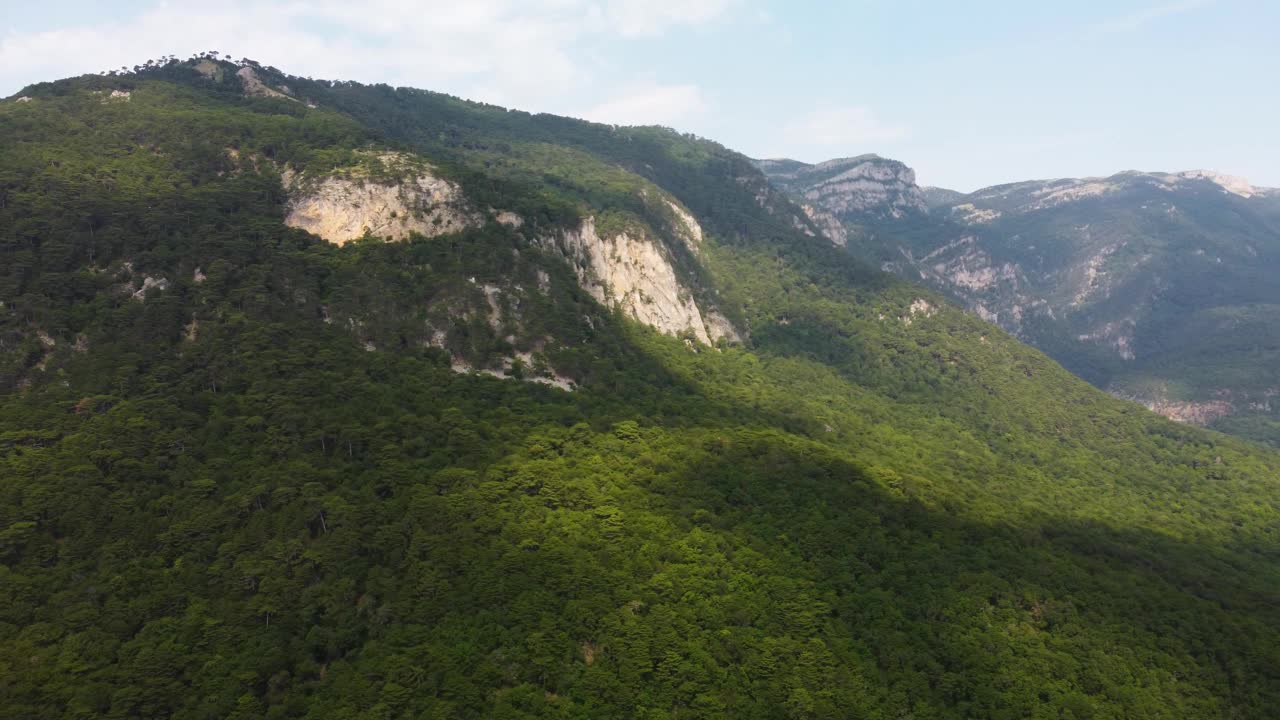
x,y
1159,287
331,400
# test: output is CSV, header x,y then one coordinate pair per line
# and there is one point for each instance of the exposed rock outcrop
x,y
209,69
1118,335
150,284
632,272
1205,411
1192,413
254,87
629,270
849,189
114,95
343,206
687,229
1037,195
1184,411
1229,183
830,226
869,184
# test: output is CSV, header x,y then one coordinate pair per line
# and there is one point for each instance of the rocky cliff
x,y
395,196
866,186
1137,280
633,272
403,199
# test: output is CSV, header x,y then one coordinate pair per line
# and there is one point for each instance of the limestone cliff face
x,y
341,208
850,189
867,185
629,270
253,85
632,272
1221,402
828,224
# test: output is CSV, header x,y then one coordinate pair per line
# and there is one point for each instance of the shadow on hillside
x,y
994,618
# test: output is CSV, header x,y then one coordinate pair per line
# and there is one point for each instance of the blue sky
x,y
969,94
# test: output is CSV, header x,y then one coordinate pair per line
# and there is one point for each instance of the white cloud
x,y
841,129
520,53
649,105
1140,18
648,17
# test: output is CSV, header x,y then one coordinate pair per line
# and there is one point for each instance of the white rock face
x,y
627,270
871,185
961,263
1044,194
633,273
718,326
971,215
148,284
1094,276
919,308
510,219
832,228
1117,334
1230,183
1190,412
340,209
209,69
691,231
1203,412
253,85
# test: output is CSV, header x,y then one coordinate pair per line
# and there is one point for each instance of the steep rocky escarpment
x,y
253,85
867,186
348,203
633,272
627,269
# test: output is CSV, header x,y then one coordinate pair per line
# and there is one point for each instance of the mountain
x,y
936,196
867,185
1159,287
332,400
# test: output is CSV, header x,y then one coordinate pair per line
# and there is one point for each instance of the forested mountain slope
x,y
1160,287
605,429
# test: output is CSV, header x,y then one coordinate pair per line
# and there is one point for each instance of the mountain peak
x,y
862,185
1231,183
855,159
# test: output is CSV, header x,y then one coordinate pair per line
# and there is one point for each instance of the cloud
x,y
648,17
649,105
1145,16
521,53
841,129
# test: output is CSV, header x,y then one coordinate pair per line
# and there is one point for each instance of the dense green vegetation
x,y
214,503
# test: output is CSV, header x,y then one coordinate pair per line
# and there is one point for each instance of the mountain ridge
x,y
253,471
1029,255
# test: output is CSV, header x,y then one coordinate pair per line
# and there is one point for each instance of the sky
x,y
969,94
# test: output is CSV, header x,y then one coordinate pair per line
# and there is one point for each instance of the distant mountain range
x,y
1159,287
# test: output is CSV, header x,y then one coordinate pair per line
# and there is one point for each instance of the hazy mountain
x,y
936,196
326,400
1161,287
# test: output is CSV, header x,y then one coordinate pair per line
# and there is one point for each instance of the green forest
x,y
236,482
